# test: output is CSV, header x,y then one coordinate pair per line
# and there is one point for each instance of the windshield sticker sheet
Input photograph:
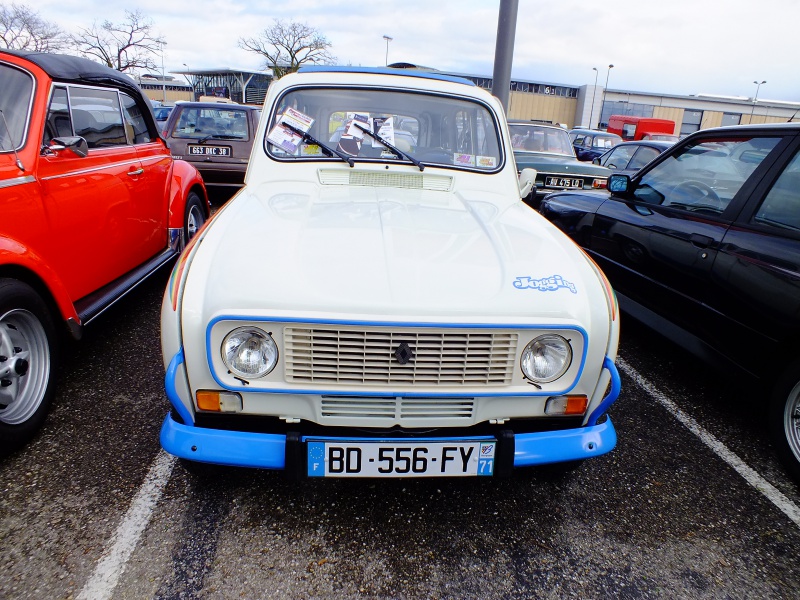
x,y
285,138
465,160
546,284
486,162
384,128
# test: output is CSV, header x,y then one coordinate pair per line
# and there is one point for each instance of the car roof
x,y
663,144
593,132
220,105
384,71
534,124
74,69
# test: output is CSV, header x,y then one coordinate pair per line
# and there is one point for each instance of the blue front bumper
x,y
268,451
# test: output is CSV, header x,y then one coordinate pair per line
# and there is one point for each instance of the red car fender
x,y
185,179
14,253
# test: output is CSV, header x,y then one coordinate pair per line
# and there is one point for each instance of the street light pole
x,y
755,98
163,81
594,94
604,89
388,39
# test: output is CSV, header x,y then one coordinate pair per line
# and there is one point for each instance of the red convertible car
x,y
92,203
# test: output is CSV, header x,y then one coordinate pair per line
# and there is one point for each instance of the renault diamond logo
x,y
404,354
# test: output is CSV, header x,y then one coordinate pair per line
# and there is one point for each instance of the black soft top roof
x,y
66,68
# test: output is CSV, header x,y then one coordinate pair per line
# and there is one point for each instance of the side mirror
x,y
619,184
527,182
75,144
596,161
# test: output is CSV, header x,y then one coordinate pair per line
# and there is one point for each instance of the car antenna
x,y
20,166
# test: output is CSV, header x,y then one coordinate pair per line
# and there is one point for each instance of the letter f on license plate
x,y
418,458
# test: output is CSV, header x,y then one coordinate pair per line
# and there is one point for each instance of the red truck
x,y
642,128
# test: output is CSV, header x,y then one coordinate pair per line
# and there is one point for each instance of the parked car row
x,y
92,203
703,245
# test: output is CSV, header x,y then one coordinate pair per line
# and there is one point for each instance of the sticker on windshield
x,y
546,284
486,162
285,133
465,160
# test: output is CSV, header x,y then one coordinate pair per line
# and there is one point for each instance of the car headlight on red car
x,y
249,352
546,358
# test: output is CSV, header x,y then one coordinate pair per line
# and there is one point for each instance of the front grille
x,y
397,409
411,181
332,355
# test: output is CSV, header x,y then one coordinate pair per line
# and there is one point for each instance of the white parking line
x,y
774,495
112,564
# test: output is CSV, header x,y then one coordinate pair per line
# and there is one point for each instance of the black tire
x,y
784,420
193,217
28,353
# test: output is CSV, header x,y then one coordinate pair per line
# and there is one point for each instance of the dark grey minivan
x,y
216,137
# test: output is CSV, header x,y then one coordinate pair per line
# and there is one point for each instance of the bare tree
x,y
127,46
287,46
23,29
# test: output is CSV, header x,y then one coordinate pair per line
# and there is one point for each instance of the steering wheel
x,y
697,193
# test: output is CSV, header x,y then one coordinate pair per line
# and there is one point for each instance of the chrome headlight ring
x,y
249,352
546,358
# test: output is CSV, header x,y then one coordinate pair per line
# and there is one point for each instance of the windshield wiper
x,y
327,149
399,153
219,136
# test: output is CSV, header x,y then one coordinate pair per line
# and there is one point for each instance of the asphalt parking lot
x,y
691,503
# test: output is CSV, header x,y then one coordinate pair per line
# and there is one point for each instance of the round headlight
x,y
546,358
249,352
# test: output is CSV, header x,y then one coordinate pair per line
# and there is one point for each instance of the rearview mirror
x,y
619,184
527,181
76,144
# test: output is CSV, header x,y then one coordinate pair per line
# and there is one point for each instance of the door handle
x,y
138,171
701,241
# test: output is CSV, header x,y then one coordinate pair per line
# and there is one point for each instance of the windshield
x,y
406,126
534,138
222,122
15,101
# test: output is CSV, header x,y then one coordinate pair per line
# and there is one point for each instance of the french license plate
x,y
363,458
196,150
563,182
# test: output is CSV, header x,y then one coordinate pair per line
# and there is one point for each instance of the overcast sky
x,y
668,46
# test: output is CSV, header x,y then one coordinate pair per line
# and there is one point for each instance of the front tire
x,y
193,217
784,421
28,350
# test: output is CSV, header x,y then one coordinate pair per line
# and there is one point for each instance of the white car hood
x,y
387,252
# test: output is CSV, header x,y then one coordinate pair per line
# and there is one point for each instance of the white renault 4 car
x,y
377,301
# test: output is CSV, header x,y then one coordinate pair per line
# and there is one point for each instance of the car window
x,y
431,128
643,156
96,116
602,141
15,101
134,120
59,123
618,158
781,206
535,138
704,176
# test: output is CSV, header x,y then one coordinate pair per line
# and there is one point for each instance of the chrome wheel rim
x,y
791,421
24,366
194,220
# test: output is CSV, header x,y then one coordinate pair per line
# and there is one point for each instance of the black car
x,y
629,157
703,245
590,144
